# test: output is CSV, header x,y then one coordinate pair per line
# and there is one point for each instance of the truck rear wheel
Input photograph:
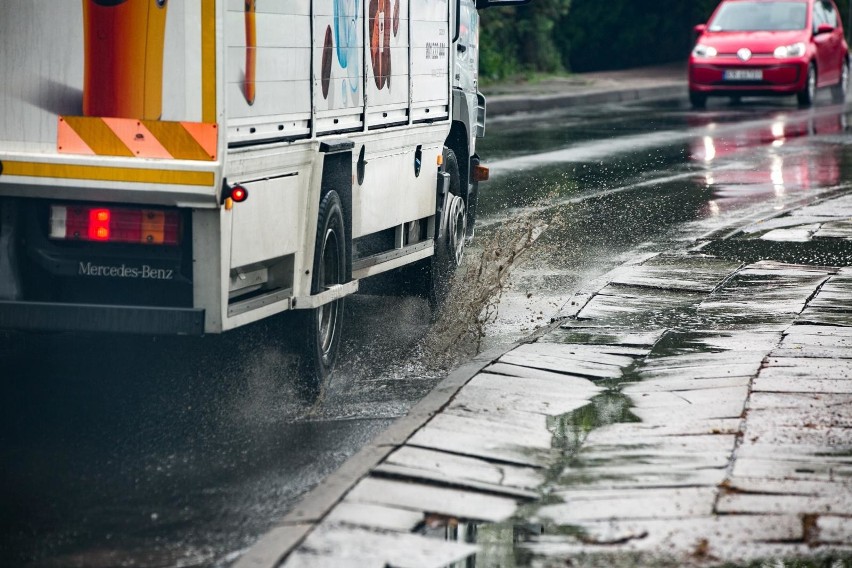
x,y
449,246
322,327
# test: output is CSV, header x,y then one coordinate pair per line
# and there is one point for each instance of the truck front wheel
x,y
322,327
450,244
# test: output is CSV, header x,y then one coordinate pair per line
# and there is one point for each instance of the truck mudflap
x,y
56,317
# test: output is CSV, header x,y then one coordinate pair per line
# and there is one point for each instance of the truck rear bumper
x,y
44,316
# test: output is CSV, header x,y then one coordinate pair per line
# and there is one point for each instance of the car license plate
x,y
744,75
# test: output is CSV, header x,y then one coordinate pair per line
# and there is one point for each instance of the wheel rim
x,y
329,276
844,80
457,227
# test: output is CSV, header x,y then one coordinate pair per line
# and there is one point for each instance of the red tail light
x,y
114,225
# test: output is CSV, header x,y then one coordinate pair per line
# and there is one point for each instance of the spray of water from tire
x,y
478,285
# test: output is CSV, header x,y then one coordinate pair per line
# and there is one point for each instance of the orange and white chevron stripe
x,y
134,138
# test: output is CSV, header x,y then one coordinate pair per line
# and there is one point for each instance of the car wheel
x,y
697,100
839,91
807,95
321,327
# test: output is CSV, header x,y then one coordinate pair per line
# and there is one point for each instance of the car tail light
x,y
114,225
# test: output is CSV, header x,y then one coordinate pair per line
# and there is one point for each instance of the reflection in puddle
x,y
790,168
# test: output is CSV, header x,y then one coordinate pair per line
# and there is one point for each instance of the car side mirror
x,y
824,29
700,29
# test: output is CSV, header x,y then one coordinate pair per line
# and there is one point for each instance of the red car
x,y
770,47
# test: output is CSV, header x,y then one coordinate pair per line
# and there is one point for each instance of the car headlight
x,y
795,50
705,51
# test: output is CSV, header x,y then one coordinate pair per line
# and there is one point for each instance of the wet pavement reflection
x,y
159,452
683,175
745,163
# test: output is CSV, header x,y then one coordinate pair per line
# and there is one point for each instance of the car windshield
x,y
760,17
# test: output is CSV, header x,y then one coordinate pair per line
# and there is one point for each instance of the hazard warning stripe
x,y
99,173
130,137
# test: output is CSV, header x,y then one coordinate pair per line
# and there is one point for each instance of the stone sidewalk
x,y
695,410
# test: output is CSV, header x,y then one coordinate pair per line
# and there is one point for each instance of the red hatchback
x,y
770,47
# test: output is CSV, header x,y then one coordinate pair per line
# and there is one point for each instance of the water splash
x,y
476,291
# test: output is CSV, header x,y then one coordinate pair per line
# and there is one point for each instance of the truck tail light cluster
x,y
114,225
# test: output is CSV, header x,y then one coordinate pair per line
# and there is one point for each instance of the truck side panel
x,y
338,66
268,71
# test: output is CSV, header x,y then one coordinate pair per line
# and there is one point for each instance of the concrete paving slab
x,y
718,397
832,529
678,384
561,364
637,432
658,473
827,368
375,517
702,372
525,429
452,466
345,547
840,230
785,222
479,445
765,486
682,413
426,475
799,234
427,498
490,400
690,360
585,353
606,504
688,542
821,470
802,385
745,504
581,332
799,402
615,301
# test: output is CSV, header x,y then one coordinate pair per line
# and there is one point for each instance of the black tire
x,y
697,100
449,246
321,328
839,91
807,95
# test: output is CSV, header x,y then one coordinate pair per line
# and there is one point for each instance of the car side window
x,y
819,15
830,14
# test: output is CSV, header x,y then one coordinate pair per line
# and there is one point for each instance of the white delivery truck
x,y
188,167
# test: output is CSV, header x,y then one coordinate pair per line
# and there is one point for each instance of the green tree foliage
x,y
522,39
545,36
622,34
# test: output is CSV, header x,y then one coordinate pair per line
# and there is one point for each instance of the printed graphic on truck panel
x,y
387,62
267,69
141,60
338,65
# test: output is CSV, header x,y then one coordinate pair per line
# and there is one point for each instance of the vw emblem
x,y
744,54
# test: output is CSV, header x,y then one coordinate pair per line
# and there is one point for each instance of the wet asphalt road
x,y
159,452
